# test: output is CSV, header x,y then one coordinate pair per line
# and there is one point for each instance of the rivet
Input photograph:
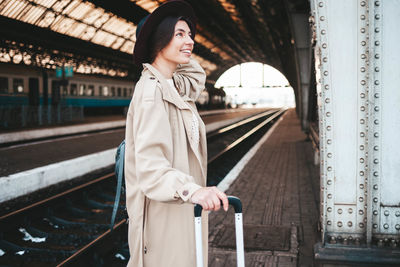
x,y
376,95
363,56
376,30
363,43
324,45
397,213
328,222
386,212
340,211
375,199
362,147
376,82
362,3
361,186
340,224
362,95
328,128
376,135
322,18
362,108
350,224
361,199
363,82
323,32
362,134
375,186
376,148
375,173
376,161
329,168
321,4
375,226
375,212
376,108
327,100
386,226
362,30
362,69
361,160
325,59
328,114
329,182
326,87
376,69
329,155
361,225
376,122
377,3
326,73
362,17
329,209
361,173
361,212
329,141
362,121
380,243
350,210
377,43
397,226
329,196
377,16
377,56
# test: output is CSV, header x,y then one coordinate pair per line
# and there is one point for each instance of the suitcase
x,y
237,205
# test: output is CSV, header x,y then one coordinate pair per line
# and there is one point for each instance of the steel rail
x,y
245,136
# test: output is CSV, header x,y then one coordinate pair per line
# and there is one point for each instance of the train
x,y
22,85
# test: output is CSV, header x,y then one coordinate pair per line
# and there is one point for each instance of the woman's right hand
x,y
210,198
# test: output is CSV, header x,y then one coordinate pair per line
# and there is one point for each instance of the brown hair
x,y
163,34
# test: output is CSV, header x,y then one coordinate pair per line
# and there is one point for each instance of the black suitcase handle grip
x,y
234,201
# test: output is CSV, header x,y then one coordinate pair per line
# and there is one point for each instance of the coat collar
x,y
168,94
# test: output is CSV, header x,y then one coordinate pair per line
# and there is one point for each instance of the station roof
x,y
229,31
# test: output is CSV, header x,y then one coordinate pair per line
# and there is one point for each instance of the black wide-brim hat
x,y
148,24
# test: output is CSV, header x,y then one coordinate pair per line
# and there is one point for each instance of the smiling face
x,y
179,49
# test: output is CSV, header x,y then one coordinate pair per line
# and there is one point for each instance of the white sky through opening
x,y
275,93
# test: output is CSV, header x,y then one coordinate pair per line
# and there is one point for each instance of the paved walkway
x,y
279,189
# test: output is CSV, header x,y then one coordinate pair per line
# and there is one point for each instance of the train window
x,y
104,90
73,89
130,91
64,89
112,91
90,90
125,92
119,91
18,86
3,85
82,89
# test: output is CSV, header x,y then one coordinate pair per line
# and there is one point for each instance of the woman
x,y
166,153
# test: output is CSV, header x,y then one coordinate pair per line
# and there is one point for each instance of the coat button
x,y
185,193
152,78
145,250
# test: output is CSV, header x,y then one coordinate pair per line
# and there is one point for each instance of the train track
x,y
72,228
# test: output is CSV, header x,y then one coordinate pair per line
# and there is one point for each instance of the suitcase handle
x,y
237,204
234,201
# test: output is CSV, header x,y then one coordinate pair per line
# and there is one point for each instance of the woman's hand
x,y
210,198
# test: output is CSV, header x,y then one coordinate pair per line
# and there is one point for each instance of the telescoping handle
x,y
237,205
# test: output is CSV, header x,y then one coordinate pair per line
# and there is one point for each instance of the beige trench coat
x,y
163,167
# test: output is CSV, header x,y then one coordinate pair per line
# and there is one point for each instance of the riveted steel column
x,y
358,77
384,124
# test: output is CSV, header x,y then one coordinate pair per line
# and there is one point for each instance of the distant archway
x,y
256,84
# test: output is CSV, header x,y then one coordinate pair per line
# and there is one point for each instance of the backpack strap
x,y
119,172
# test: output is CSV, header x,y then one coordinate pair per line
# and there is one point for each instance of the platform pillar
x,y
358,76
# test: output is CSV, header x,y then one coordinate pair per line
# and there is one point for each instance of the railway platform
x,y
279,186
